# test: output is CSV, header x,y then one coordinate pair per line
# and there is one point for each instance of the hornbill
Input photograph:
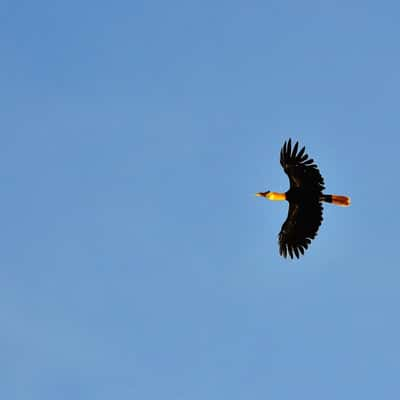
x,y
305,199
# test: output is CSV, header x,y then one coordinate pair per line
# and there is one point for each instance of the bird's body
x,y
305,197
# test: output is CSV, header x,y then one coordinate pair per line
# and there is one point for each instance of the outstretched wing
x,y
300,169
300,227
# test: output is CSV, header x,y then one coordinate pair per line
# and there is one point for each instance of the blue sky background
x,y
136,262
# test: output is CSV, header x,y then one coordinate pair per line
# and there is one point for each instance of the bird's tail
x,y
343,201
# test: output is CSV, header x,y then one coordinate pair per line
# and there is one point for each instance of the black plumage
x,y
304,197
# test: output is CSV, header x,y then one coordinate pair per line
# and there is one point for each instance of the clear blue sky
x,y
136,262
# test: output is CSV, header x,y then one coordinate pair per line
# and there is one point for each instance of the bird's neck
x,y
276,196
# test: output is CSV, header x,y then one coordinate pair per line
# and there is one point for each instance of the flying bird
x,y
305,199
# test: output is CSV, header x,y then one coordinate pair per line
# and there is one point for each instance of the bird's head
x,y
272,195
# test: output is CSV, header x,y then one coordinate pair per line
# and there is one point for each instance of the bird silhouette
x,y
305,197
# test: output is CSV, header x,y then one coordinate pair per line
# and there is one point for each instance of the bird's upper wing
x,y
300,169
300,227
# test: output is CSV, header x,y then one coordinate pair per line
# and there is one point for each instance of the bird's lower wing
x,y
300,227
